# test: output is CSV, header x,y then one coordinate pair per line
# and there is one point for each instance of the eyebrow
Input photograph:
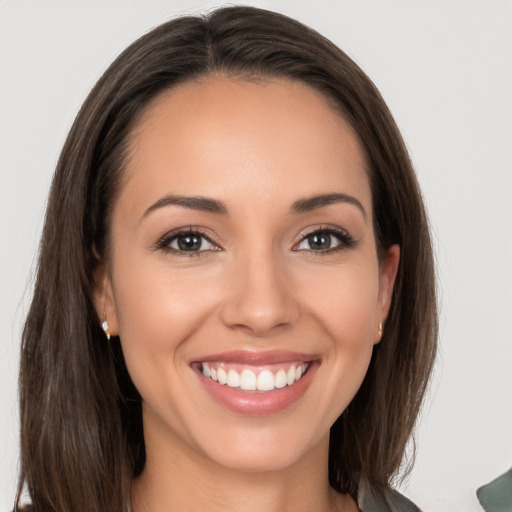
x,y
203,204
312,203
206,204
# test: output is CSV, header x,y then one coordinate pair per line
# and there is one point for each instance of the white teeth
x,y
290,377
265,381
222,376
233,379
280,379
248,380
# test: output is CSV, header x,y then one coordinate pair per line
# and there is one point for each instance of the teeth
x,y
280,380
290,376
248,380
266,381
222,376
233,379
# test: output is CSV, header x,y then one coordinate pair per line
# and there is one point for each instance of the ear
x,y
388,270
104,300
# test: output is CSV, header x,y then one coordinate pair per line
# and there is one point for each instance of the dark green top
x,y
496,496
390,501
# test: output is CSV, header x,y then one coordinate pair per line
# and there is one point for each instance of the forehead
x,y
221,136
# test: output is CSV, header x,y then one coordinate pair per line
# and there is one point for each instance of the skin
x,y
259,285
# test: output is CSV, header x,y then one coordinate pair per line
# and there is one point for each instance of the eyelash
x,y
164,244
346,241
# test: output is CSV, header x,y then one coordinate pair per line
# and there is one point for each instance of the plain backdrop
x,y
445,69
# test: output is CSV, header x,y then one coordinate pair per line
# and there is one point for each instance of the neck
x,y
182,479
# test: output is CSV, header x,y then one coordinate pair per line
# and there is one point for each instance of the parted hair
x,y
81,421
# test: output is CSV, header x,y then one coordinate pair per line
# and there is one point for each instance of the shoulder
x,y
387,501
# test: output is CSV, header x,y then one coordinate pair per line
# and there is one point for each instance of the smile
x,y
256,383
246,378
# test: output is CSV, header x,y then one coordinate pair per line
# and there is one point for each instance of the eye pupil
x,y
319,241
189,242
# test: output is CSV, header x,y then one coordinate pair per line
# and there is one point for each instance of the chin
x,y
257,461
264,450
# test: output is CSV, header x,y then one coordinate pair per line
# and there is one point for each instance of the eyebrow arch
x,y
204,204
311,203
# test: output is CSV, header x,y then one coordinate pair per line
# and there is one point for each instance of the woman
x,y
235,301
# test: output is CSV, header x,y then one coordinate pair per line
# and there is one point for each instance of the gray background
x,y
445,69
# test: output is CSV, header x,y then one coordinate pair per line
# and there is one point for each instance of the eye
x,y
325,240
191,241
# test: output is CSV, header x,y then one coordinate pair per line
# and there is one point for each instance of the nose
x,y
261,300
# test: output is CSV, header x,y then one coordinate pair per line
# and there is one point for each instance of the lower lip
x,y
254,403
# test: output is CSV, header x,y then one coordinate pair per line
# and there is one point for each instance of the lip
x,y
257,358
256,403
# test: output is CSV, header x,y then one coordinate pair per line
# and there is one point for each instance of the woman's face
x,y
243,278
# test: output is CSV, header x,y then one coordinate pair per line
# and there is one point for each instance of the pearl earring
x,y
380,330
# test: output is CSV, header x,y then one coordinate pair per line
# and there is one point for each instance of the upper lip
x,y
257,358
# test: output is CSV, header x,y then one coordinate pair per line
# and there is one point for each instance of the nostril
x,y
259,313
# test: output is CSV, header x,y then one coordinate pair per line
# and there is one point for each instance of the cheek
x,y
157,309
344,305
345,301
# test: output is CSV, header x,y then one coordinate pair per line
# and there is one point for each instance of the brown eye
x,y
319,241
190,242
326,241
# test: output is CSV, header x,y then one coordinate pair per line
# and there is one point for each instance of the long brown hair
x,y
81,422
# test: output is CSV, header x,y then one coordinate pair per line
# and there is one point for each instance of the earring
x,y
380,331
105,326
